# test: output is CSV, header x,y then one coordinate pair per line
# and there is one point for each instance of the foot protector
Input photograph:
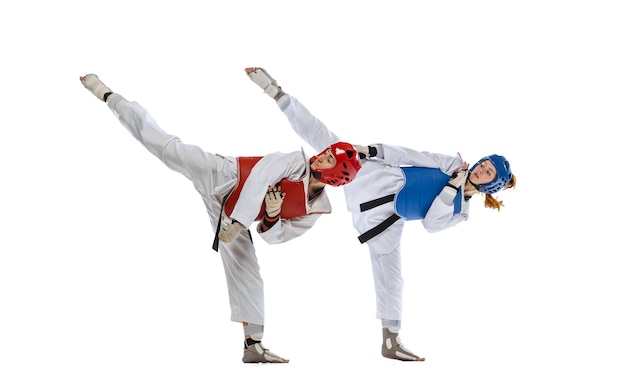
x,y
257,353
392,348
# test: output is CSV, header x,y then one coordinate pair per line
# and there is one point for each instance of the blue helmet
x,y
503,174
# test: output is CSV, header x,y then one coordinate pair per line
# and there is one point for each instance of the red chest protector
x,y
294,204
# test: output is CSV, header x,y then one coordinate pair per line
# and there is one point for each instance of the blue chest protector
x,y
421,187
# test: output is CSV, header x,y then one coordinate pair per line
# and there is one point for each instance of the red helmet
x,y
348,164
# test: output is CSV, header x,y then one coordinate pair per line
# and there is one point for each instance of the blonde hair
x,y
492,202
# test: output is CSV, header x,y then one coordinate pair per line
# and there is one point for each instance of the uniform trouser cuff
x,y
391,323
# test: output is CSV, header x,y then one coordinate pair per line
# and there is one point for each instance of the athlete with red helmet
x,y
284,192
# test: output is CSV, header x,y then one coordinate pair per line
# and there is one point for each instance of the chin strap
x,y
473,184
475,187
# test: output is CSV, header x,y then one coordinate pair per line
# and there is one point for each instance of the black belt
x,y
364,237
216,239
377,202
379,228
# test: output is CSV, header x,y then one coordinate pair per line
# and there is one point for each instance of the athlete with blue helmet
x,y
396,184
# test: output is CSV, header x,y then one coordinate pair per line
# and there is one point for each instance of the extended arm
x,y
393,154
315,133
307,126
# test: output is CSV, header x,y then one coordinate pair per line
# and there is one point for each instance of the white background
x,y
107,277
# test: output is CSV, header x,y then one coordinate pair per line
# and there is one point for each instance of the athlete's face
x,y
485,172
324,161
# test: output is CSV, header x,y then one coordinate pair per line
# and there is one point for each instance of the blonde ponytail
x,y
492,202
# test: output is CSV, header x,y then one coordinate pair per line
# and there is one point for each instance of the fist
x,y
458,178
263,79
228,233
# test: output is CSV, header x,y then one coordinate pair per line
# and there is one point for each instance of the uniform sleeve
x,y
308,127
393,154
267,172
286,229
441,215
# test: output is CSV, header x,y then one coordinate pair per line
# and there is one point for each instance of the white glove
x,y
261,78
93,84
228,233
455,182
273,201
458,178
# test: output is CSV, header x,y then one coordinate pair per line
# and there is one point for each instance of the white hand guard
x,y
273,201
456,181
458,178
93,84
265,81
228,233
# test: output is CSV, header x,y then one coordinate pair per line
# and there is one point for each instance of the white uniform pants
x,y
386,260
